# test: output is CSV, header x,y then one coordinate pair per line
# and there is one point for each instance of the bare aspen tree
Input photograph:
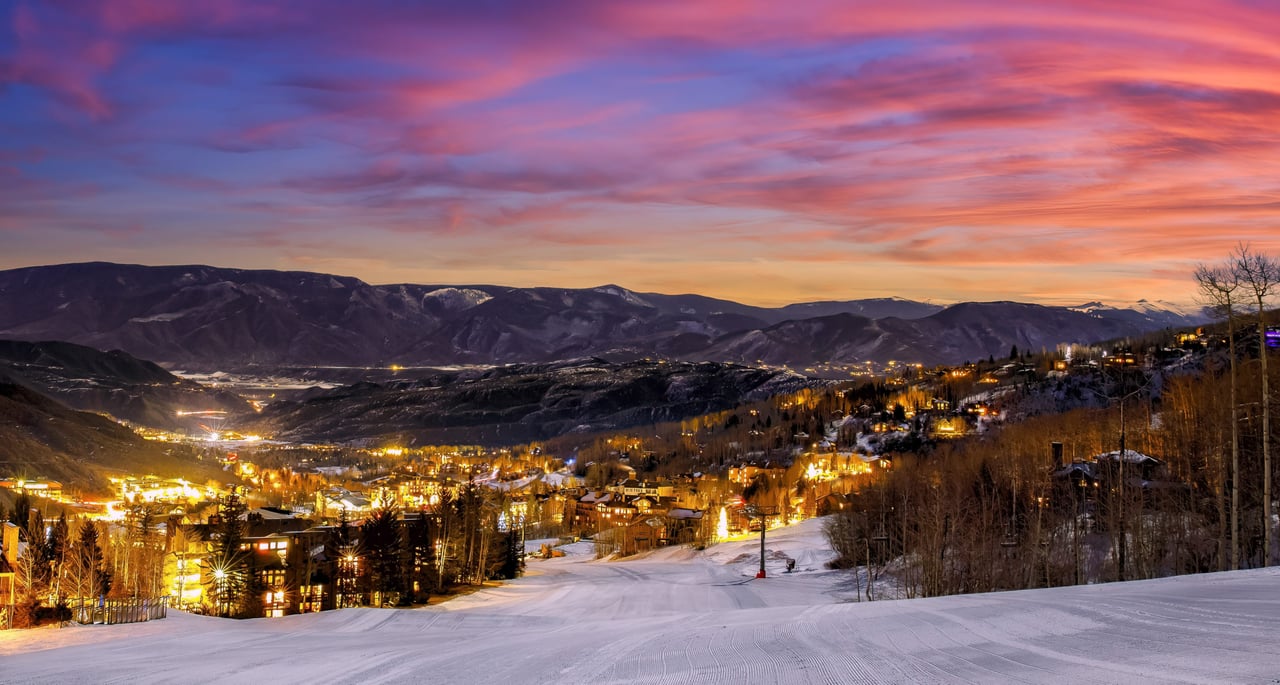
x,y
1218,287
1261,276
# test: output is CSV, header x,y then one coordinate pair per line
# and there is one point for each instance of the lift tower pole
x,y
762,514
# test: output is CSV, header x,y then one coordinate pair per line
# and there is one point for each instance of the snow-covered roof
x,y
1130,457
271,514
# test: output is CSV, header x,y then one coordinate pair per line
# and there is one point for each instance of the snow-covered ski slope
x,y
683,617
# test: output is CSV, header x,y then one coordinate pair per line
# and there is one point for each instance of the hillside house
x,y
39,487
685,526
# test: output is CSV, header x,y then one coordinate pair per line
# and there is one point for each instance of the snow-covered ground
x,y
681,616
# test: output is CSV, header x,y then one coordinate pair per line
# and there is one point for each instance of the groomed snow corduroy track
x,y
681,617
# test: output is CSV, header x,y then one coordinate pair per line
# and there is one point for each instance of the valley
x,y
629,489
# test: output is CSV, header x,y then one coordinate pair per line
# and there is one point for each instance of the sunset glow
x,y
766,152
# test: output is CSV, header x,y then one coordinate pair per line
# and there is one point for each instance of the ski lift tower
x,y
762,514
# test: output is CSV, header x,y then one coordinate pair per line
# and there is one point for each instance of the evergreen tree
x,y
87,578
344,556
21,514
55,554
420,566
511,556
229,580
37,543
380,538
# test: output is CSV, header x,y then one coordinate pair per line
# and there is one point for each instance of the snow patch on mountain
x,y
623,293
163,316
1144,307
458,299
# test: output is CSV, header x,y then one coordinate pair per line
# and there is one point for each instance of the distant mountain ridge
x,y
209,317
39,437
113,382
521,402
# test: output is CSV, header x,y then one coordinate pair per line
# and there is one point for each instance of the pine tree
x,y
21,514
512,559
382,547
55,554
38,545
420,566
87,576
230,576
344,554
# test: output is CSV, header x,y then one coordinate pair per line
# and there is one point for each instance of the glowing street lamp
x,y
220,590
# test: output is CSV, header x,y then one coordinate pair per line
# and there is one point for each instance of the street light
x,y
220,587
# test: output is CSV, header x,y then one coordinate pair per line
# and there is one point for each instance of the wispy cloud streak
x,y
954,150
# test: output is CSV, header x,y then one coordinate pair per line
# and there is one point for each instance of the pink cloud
x,y
921,132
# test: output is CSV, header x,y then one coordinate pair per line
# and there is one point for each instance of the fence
x,y
121,610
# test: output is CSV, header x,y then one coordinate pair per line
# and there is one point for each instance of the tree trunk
x,y
1235,444
1266,436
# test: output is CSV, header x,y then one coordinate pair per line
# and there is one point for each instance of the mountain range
x,y
201,317
519,402
40,437
114,383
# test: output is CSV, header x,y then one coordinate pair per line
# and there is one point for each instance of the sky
x,y
768,152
